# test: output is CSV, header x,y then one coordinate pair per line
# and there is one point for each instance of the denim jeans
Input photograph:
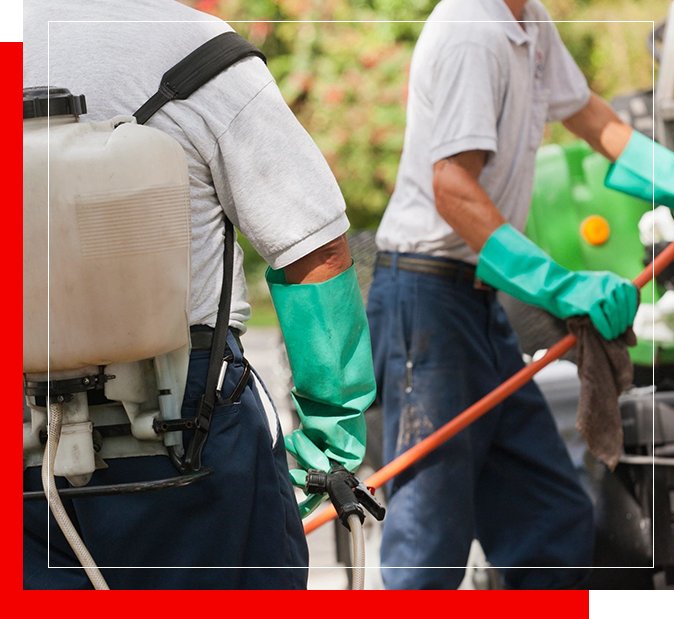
x,y
244,515
439,346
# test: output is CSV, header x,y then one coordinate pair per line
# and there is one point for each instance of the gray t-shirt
x,y
488,86
247,152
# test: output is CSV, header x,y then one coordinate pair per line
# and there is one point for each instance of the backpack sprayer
x,y
106,293
107,289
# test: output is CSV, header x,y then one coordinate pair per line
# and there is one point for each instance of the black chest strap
x,y
178,83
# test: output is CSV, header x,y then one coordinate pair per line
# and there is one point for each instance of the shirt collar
x,y
499,11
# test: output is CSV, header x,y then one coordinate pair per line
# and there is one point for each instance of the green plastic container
x,y
568,190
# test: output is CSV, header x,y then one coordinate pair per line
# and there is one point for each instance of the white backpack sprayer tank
x,y
106,272
106,288
107,241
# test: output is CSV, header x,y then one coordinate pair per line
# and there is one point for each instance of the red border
x,y
11,366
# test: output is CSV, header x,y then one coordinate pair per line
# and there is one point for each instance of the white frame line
x,y
386,21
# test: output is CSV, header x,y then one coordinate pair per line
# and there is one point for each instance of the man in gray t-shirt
x,y
250,158
285,220
485,77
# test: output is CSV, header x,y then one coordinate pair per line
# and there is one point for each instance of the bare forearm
x,y
321,264
461,201
599,125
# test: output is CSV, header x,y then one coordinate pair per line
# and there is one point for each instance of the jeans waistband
x,y
449,268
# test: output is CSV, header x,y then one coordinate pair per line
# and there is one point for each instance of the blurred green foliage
x,y
347,82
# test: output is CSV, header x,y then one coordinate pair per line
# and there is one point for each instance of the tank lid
x,y
42,101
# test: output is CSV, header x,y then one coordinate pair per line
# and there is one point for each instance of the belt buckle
x,y
479,284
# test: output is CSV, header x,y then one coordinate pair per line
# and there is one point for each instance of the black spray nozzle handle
x,y
368,500
346,492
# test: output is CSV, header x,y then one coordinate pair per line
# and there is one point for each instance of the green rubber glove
x,y
328,341
511,262
634,172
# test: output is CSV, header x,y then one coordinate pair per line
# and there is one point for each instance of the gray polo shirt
x,y
247,153
488,86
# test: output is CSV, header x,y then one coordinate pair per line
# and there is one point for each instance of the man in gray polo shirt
x,y
480,95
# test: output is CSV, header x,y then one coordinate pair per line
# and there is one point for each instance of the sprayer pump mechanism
x,y
346,491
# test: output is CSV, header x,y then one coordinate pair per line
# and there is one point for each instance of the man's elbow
x,y
456,178
335,254
438,183
447,185
321,264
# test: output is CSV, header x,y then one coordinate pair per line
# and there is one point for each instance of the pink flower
x,y
207,6
334,95
370,59
260,30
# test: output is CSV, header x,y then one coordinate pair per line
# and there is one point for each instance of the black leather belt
x,y
202,337
454,270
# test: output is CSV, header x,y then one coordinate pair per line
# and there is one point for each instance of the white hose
x,y
60,514
358,552
647,460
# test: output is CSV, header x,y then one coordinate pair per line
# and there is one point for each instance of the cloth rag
x,y
605,371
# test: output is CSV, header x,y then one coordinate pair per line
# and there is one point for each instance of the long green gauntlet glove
x,y
328,341
638,173
511,262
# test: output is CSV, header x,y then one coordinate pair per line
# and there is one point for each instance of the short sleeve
x,y
468,92
275,184
569,92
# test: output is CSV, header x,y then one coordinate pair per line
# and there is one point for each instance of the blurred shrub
x,y
347,82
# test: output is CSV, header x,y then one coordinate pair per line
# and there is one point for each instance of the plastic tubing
x,y
484,405
357,552
56,505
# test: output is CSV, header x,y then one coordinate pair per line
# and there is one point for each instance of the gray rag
x,y
605,371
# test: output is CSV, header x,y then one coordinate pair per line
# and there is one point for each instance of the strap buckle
x,y
202,424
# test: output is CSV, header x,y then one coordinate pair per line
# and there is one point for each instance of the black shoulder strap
x,y
193,71
179,82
